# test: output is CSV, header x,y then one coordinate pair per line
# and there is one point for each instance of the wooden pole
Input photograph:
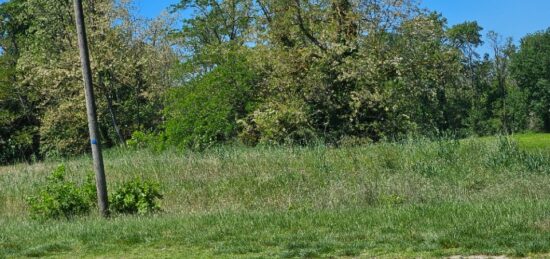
x,y
99,169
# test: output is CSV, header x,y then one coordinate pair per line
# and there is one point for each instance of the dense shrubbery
x,y
205,110
136,197
277,123
344,78
60,198
151,140
323,71
63,199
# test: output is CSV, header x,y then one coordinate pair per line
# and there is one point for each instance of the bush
x,y
142,140
60,198
278,123
205,110
19,145
136,197
64,131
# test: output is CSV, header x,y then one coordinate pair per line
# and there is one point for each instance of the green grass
x,y
411,199
534,141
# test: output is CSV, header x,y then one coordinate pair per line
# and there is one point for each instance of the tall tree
x,y
467,37
531,69
131,60
331,68
18,115
503,49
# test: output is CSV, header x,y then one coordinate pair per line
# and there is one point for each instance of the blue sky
x,y
510,18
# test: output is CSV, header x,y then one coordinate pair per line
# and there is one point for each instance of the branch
x,y
303,28
265,11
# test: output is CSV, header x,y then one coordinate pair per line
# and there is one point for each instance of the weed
x,y
137,197
60,198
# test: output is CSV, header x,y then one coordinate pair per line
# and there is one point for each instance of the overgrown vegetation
x,y
413,198
261,72
60,198
42,113
136,197
276,128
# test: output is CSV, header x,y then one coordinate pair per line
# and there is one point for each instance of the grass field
x,y
534,141
410,199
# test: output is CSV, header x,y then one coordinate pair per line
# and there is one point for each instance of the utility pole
x,y
101,183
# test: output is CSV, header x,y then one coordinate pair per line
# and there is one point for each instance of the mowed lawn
x,y
534,141
412,199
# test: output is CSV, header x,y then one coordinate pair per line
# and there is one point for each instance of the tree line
x,y
261,72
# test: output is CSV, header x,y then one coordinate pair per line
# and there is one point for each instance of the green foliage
x,y
325,71
60,198
64,130
136,197
531,69
396,74
140,140
278,123
18,145
205,110
63,199
466,34
266,71
513,111
414,198
429,93
41,98
18,117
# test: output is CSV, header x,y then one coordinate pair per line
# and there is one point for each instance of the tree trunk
x,y
114,120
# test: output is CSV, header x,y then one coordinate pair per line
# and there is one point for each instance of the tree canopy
x,y
261,71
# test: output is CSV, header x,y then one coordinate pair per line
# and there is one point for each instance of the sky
x,y
510,18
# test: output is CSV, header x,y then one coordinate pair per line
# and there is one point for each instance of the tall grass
x,y
410,198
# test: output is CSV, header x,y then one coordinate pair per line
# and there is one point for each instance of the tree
x,y
502,52
466,37
531,69
205,110
330,68
330,61
429,73
18,115
131,60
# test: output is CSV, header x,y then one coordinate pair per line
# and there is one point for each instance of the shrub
x,y
17,145
136,197
204,111
142,140
277,123
60,198
63,130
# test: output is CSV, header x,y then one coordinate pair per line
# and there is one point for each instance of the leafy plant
x,y
60,198
278,123
204,111
137,197
150,140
